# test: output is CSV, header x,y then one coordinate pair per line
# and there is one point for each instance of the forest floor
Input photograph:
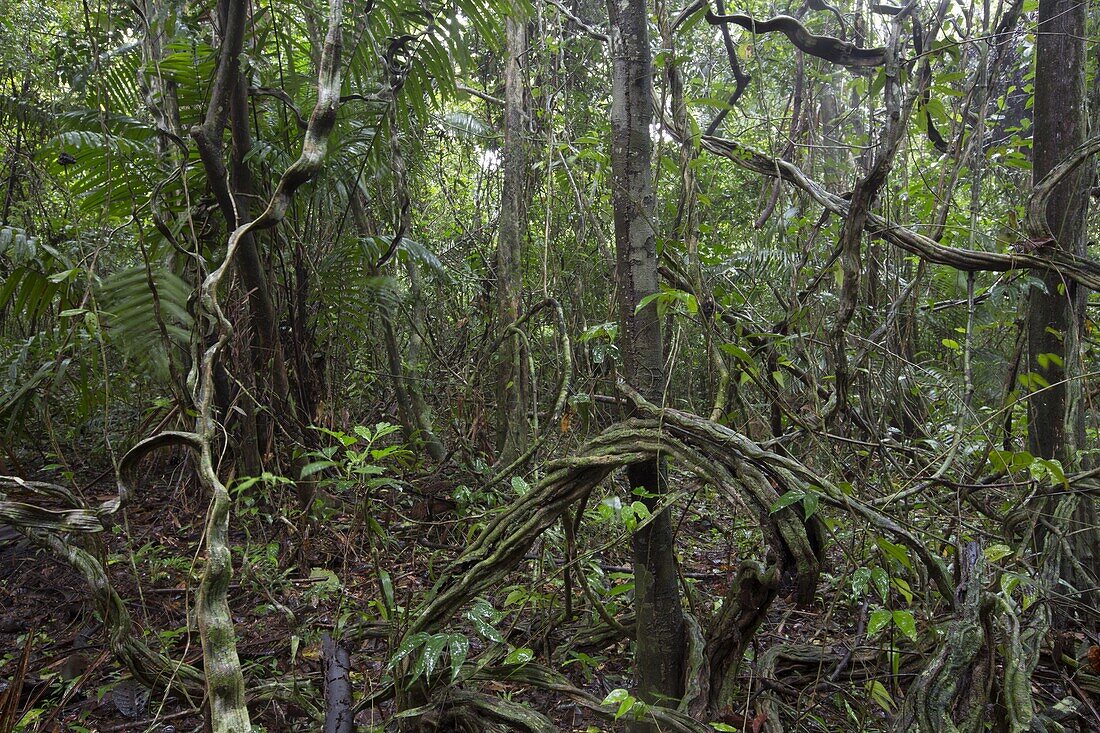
x,y
286,593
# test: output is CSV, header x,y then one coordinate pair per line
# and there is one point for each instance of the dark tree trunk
x,y
1060,126
660,632
232,188
1055,319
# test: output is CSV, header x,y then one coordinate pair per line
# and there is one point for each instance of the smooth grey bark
x,y
513,388
660,638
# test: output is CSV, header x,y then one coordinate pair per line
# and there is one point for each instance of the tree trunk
x,y
1055,319
1059,128
232,189
513,389
660,626
412,411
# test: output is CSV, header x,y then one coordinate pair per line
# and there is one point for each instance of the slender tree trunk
x,y
422,414
412,410
232,188
13,164
161,94
660,632
513,389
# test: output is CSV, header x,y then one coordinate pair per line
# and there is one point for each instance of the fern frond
x,y
134,318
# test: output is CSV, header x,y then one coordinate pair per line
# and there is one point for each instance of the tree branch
x,y
1081,270
824,47
588,29
1038,228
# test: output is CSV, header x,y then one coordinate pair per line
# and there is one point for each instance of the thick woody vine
x,y
224,679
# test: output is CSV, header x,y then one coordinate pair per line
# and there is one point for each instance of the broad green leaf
x,y
791,497
906,623
879,619
408,646
810,504
993,553
881,580
738,353
459,648
486,630
316,467
881,695
861,579
520,655
902,587
895,552
433,650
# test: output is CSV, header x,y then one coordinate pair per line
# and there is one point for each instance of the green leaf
x,y
408,646
485,629
903,588
738,353
993,553
895,552
616,696
904,620
645,301
810,504
1053,468
791,497
881,580
520,655
881,695
433,650
879,619
1033,381
624,700
1004,461
382,429
387,590
861,578
1045,360
459,648
316,467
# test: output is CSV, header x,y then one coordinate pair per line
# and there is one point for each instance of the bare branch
x,y
480,95
824,47
1038,228
588,29
1081,270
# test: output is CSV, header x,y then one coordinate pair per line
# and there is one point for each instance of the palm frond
x,y
138,322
